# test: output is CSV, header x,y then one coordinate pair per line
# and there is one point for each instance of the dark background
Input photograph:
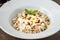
x,y
4,36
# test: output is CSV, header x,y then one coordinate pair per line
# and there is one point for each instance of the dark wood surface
x,y
4,36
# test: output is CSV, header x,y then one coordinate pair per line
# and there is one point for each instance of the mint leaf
x,y
31,12
27,11
34,12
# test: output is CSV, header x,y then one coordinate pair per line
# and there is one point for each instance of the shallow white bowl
x,y
11,8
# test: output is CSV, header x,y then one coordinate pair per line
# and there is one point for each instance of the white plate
x,y
9,10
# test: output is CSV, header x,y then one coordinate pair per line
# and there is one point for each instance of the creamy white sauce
x,y
22,26
28,27
23,22
20,19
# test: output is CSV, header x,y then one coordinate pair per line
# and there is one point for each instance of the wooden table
x,y
4,36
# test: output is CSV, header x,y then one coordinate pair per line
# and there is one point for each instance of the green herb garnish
x,y
31,12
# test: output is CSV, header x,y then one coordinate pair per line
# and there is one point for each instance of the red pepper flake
x,y
28,23
38,21
29,18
